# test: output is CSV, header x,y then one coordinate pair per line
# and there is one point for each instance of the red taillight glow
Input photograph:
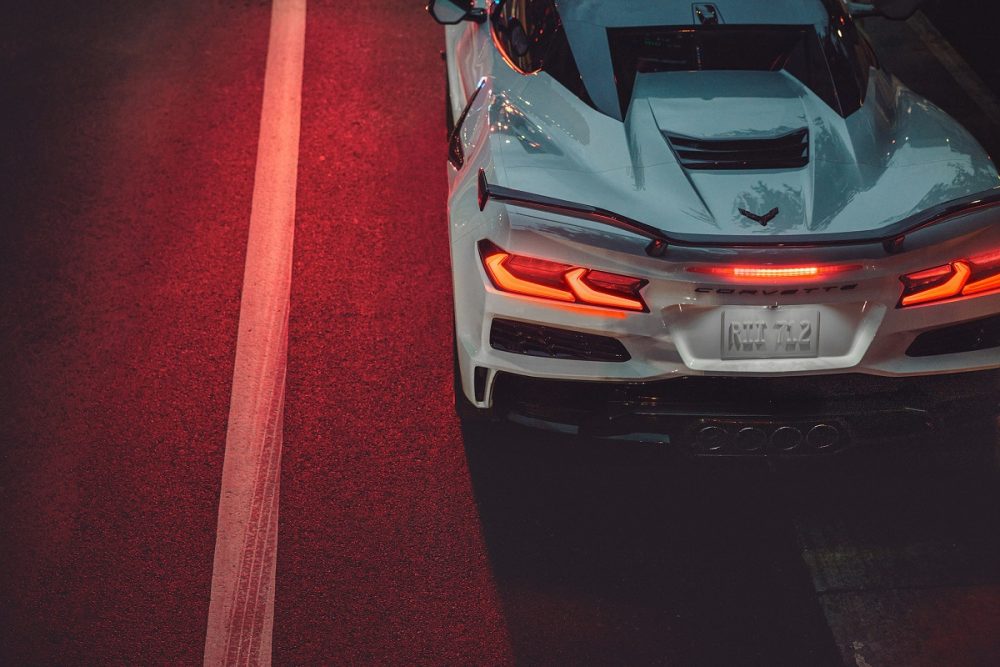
x,y
795,272
577,279
972,277
508,281
543,279
941,283
985,274
984,285
772,272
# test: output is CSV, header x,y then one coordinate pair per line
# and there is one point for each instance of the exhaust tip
x,y
750,439
823,437
786,439
712,439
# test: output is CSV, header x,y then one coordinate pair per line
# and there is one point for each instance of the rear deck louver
x,y
785,152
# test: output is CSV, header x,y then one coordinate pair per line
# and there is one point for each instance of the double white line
x,y
241,611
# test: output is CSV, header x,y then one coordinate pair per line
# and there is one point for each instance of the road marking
x,y
241,610
964,75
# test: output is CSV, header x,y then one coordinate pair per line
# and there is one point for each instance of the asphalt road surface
x,y
131,166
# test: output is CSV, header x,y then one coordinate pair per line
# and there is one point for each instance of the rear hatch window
x,y
825,67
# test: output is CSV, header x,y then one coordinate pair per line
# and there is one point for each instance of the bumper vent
x,y
785,152
968,337
539,341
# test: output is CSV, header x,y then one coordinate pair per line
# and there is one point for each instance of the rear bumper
x,y
872,368
785,416
859,328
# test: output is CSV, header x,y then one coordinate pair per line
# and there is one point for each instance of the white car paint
x,y
894,157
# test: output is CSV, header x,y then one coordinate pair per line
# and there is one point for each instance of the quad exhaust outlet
x,y
735,439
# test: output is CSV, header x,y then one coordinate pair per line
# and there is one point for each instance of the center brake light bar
x,y
777,273
891,237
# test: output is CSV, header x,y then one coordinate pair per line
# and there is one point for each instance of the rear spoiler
x,y
891,237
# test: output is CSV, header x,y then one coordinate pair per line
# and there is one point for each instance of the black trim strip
x,y
658,240
891,237
456,155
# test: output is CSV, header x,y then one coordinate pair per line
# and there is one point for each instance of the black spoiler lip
x,y
890,237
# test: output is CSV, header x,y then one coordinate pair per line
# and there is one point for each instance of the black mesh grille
x,y
784,152
968,337
539,341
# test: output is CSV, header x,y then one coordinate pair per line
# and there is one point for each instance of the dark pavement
x,y
969,26
129,143
961,26
380,558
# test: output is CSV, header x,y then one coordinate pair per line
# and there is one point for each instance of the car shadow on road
x,y
619,553
905,559
612,553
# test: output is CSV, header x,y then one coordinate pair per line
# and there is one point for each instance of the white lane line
x,y
964,75
241,610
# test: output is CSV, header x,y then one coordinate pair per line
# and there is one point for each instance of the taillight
x,y
985,274
525,275
605,289
942,282
541,278
773,273
968,277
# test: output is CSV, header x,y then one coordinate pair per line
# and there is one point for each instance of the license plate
x,y
770,333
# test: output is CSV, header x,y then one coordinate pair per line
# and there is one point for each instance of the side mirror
x,y
450,12
894,10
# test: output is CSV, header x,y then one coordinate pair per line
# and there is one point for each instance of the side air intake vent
x,y
972,336
539,341
785,152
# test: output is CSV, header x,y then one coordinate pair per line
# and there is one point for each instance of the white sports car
x,y
721,225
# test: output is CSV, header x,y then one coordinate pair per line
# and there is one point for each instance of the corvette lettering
x,y
775,291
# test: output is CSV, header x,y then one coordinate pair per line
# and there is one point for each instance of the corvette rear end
x,y
661,240
818,314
